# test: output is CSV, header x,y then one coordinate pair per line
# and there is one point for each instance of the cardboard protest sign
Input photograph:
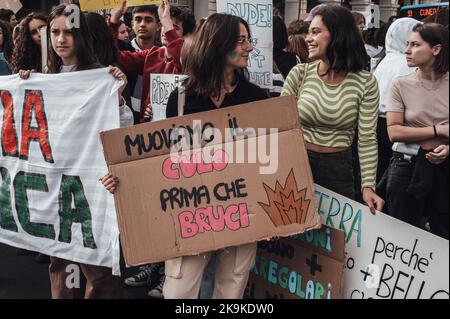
x,y
306,266
93,5
386,258
161,86
372,16
14,5
224,192
51,199
258,14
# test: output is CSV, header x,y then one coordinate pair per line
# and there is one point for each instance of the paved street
x,y
22,277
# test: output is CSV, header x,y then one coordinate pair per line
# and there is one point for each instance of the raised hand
x,y
118,13
164,16
164,10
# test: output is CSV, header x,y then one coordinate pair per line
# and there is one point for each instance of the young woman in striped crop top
x,y
336,97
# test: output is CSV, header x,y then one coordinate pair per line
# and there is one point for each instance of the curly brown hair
x,y
7,46
27,54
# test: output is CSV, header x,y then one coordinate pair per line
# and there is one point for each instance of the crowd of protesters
x,y
373,104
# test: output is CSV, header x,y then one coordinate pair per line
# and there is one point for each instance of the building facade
x,y
294,9
289,9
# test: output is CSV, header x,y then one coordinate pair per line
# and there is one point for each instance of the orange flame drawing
x,y
287,205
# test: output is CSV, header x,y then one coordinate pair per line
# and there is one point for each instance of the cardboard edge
x,y
262,238
293,114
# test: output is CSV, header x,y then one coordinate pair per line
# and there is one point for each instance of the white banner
x,y
386,258
51,199
161,86
259,16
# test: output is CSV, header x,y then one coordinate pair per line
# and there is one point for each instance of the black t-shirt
x,y
285,61
245,92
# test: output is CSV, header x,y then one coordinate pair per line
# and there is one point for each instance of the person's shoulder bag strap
x,y
181,100
305,72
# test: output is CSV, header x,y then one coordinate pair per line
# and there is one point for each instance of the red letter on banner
x,y
35,102
9,135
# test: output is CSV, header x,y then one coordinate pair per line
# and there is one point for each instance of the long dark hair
x,y
6,14
280,34
346,51
27,54
205,66
434,34
82,41
105,49
7,46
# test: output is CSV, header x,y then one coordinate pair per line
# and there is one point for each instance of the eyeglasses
x,y
243,40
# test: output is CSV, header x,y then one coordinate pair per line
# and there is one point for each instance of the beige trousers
x,y
233,264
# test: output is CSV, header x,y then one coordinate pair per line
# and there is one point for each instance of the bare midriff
x,y
432,144
325,149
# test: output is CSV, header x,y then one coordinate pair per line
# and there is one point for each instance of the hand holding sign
x,y
148,114
372,200
119,75
110,182
25,74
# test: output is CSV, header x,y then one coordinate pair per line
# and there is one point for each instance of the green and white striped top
x,y
330,114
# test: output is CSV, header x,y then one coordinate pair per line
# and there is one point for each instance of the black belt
x,y
406,157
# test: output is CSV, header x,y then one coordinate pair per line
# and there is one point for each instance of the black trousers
x,y
409,208
384,148
384,158
334,171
